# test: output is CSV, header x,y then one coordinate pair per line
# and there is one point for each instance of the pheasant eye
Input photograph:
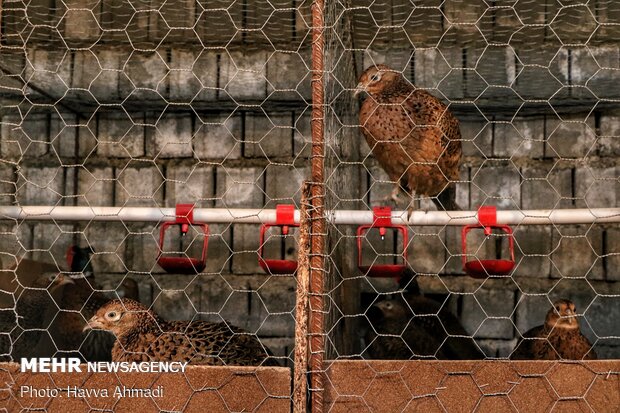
x,y
375,77
111,315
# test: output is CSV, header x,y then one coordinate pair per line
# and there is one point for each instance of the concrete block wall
x,y
168,112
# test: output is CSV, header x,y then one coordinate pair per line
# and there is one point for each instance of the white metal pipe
x,y
343,217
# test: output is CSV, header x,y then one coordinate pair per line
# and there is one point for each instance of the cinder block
x,y
184,83
179,14
268,137
40,186
602,81
302,135
612,257
464,11
610,134
224,298
535,80
14,141
530,312
145,70
588,262
139,186
380,186
283,184
109,250
175,298
544,188
48,70
15,239
219,138
427,250
50,242
118,137
441,70
477,138
596,187
63,137
496,185
216,27
80,26
190,185
272,305
288,76
141,246
86,68
425,26
8,184
243,75
239,187
521,138
497,68
601,315
572,138
105,87
220,249
205,69
479,313
245,244
73,140
171,138
95,187
345,185
533,248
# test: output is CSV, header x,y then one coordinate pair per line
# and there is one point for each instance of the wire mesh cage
x,y
359,195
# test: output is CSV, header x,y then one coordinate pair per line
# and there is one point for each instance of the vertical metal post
x,y
317,213
300,372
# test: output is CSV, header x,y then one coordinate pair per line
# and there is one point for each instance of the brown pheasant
x,y
142,335
559,338
413,135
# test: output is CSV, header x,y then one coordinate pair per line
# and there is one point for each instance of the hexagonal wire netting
x,y
120,103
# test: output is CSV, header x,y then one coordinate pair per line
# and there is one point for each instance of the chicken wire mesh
x,y
530,83
147,103
153,104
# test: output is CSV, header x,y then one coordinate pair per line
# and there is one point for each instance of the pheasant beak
x,y
359,89
93,324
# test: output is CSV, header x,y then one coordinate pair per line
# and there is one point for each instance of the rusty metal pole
x,y
317,214
300,378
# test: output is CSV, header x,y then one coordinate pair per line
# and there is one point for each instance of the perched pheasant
x,y
559,338
142,335
410,325
79,303
34,309
413,135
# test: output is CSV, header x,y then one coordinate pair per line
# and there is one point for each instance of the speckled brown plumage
x,y
142,335
559,338
34,309
413,135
